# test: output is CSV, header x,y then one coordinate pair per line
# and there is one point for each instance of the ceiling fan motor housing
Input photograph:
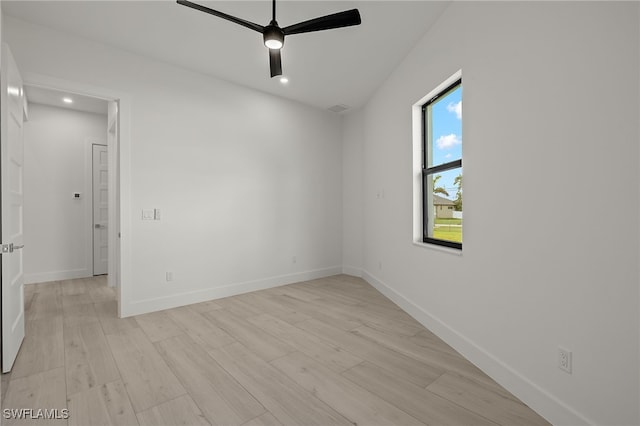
x,y
273,36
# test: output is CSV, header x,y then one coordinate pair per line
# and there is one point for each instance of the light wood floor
x,y
323,352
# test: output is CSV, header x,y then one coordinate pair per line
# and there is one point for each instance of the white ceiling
x,y
39,95
342,66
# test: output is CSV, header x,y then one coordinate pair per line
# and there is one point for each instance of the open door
x,y
11,182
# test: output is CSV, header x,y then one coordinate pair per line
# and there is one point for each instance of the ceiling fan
x,y
273,34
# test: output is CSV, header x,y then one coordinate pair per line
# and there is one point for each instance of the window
x,y
442,167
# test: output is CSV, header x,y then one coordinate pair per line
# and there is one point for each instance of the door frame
x,y
122,195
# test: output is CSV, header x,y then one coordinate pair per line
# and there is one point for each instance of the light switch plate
x,y
156,214
148,214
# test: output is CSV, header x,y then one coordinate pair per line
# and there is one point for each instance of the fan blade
x,y
250,25
336,20
275,62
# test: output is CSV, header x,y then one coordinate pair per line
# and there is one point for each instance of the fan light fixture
x,y
273,36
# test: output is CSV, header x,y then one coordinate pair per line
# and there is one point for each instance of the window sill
x,y
438,248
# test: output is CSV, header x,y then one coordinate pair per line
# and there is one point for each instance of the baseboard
x,y
43,277
352,270
181,299
540,400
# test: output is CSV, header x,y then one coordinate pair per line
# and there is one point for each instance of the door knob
x,y
9,248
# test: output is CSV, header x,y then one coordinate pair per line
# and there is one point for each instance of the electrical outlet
x,y
564,360
169,276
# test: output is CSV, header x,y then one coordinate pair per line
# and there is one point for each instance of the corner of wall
x,y
352,192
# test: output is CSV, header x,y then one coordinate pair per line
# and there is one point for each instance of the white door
x,y
11,170
100,210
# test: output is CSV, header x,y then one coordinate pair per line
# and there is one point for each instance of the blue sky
x,y
446,133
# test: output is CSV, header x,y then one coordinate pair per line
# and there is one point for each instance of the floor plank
x,y
445,361
265,346
295,291
427,339
331,355
222,400
473,396
46,302
179,411
104,405
146,376
45,390
267,419
158,326
102,294
199,329
73,287
79,314
356,293
286,400
266,304
409,369
42,287
98,289
317,313
383,318
88,358
420,403
355,403
107,313
207,306
42,348
239,307
322,308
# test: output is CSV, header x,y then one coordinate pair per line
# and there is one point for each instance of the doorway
x,y
118,150
94,193
60,179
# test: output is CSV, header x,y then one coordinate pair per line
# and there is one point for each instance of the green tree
x,y
457,203
438,189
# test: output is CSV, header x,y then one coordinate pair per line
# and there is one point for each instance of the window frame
x,y
429,171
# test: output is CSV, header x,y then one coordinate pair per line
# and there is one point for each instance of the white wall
x,y
58,235
550,118
244,180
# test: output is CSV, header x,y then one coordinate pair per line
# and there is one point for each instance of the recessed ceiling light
x,y
284,80
67,100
